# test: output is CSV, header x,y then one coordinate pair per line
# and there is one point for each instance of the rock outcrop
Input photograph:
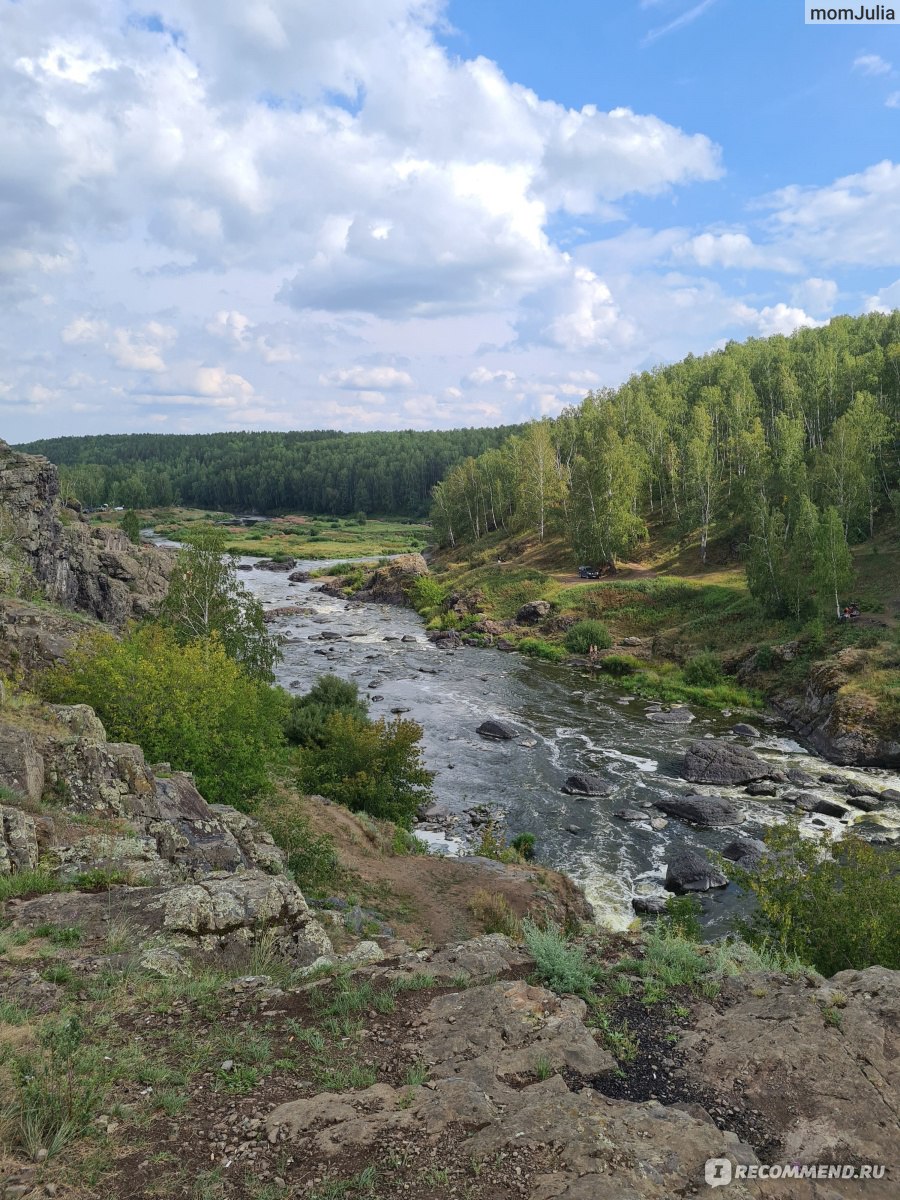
x,y
148,822
842,725
90,570
390,584
831,1083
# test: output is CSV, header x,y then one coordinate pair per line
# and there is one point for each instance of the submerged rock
x,y
587,785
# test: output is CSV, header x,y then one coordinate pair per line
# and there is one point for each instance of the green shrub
x,y
523,844
765,658
311,857
620,664
426,595
56,1089
703,670
561,965
834,906
373,767
683,917
186,704
585,634
307,716
536,648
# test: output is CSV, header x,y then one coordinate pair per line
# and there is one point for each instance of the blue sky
x,y
284,214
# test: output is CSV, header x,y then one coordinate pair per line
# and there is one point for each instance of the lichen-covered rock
x,y
21,766
239,909
257,845
96,571
18,841
833,1086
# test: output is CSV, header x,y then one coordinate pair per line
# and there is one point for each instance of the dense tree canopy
x,y
322,471
794,442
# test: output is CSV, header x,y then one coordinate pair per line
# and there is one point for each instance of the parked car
x,y
588,572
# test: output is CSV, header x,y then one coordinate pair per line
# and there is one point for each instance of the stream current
x,y
567,722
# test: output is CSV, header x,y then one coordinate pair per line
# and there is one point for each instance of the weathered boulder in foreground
x,y
713,760
701,810
390,584
584,784
833,1086
219,915
485,1046
21,766
690,870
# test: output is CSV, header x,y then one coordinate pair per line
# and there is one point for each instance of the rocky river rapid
x,y
567,722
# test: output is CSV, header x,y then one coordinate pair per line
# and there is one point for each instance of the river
x,y
568,722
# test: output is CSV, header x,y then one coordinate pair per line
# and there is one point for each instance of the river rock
x,y
631,814
651,906
800,778
299,576
533,611
744,730
587,785
497,731
718,761
701,810
273,564
830,808
806,801
746,852
762,788
672,716
865,803
689,870
445,639
890,796
860,789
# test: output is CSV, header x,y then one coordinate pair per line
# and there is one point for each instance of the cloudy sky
x,y
372,214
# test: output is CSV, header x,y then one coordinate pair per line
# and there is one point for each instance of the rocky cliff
x,y
96,571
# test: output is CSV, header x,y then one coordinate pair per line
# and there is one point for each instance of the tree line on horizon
x,y
318,471
792,442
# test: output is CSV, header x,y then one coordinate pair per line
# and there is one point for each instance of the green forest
x,y
322,471
792,444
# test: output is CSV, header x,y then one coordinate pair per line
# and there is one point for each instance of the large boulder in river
x,y
701,810
390,584
533,611
714,760
497,731
690,870
587,785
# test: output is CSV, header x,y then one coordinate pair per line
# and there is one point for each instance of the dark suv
x,y
588,572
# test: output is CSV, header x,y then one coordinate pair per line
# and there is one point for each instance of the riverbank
x,y
680,639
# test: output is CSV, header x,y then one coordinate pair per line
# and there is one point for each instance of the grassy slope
x,y
686,608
